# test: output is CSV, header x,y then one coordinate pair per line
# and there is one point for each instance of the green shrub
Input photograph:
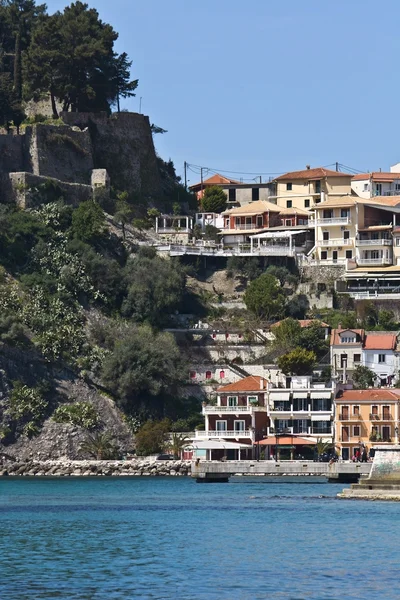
x,y
82,414
27,408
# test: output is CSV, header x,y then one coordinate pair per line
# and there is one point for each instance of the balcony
x,y
346,417
212,410
330,221
247,226
380,242
224,434
374,262
323,415
334,242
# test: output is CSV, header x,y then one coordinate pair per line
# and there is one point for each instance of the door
x,y
334,255
345,454
345,434
220,425
345,413
239,426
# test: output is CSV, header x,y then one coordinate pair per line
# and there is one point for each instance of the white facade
x,y
213,219
368,188
384,363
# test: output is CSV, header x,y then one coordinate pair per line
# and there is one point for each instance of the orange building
x,y
365,418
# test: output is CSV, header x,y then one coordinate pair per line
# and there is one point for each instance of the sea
x,y
172,538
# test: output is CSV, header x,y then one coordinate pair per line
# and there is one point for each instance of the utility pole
x,y
185,171
201,182
140,105
260,179
337,167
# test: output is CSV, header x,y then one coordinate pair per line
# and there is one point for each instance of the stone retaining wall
x,y
95,468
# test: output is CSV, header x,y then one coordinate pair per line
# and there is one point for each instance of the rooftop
x,y
254,208
369,395
303,322
335,335
380,341
310,174
377,176
252,383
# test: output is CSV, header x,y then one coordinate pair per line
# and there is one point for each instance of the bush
x,y
82,414
152,437
27,407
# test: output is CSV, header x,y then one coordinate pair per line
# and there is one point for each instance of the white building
x,y
377,183
213,219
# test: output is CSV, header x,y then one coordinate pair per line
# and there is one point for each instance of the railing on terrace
x,y
357,295
332,221
234,409
380,242
346,417
229,433
374,261
334,242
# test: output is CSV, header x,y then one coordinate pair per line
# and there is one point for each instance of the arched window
x,y
208,375
222,374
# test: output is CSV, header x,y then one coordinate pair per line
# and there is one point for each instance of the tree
x,y
214,199
363,378
178,442
152,437
297,362
287,334
142,364
321,447
124,212
124,88
88,221
155,289
100,445
297,306
313,338
264,297
386,320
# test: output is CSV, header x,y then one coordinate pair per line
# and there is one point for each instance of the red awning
x,y
286,440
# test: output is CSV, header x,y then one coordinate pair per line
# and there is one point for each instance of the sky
x,y
262,87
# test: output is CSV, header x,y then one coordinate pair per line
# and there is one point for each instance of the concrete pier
x,y
383,482
218,471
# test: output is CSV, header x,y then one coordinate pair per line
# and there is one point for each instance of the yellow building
x,y
335,223
306,189
365,418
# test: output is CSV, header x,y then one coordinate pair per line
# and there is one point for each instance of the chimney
x,y
308,167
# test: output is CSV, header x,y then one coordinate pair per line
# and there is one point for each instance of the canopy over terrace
x,y
287,440
283,236
209,445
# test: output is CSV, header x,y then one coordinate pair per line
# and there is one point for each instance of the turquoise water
x,y
167,538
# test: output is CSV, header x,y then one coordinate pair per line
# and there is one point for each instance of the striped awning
x,y
321,394
300,394
319,418
279,395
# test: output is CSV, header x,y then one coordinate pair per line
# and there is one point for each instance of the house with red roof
x,y
364,419
377,350
238,193
240,415
377,183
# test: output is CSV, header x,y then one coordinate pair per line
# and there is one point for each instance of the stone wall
x,y
24,190
95,468
122,144
13,153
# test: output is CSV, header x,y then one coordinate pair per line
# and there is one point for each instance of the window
x,y
365,187
378,189
325,236
397,241
381,358
238,425
357,359
397,187
252,400
222,374
220,425
356,431
307,203
192,374
356,410
255,194
324,255
344,213
343,361
208,375
232,195
317,187
374,410
289,187
386,433
349,254
288,204
386,413
232,401
346,235
288,222
345,434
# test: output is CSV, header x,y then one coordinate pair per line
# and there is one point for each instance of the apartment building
x,y
238,193
377,350
306,189
377,183
365,418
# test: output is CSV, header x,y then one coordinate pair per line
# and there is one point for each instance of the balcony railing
x,y
380,242
233,409
332,221
229,433
374,261
334,242
346,417
246,226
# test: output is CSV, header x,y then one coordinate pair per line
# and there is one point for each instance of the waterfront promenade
x,y
222,470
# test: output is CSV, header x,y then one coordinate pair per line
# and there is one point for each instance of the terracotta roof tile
x,y
294,211
335,339
368,395
253,208
303,323
253,383
309,174
377,176
380,341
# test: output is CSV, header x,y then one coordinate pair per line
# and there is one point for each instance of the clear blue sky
x,y
264,86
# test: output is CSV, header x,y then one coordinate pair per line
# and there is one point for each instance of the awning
x,y
219,445
300,394
277,234
286,440
279,395
320,418
322,394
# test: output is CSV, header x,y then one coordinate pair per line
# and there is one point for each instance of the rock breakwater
x,y
95,468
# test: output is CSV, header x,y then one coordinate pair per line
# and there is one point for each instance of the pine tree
x,y
124,88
